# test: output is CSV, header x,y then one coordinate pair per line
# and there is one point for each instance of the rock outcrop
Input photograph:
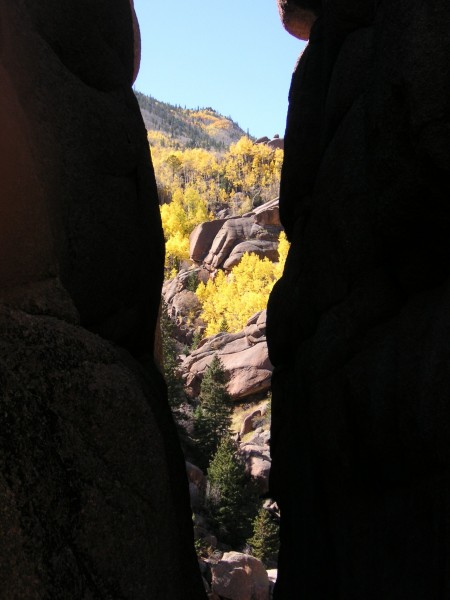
x,y
262,248
222,243
202,238
358,326
298,16
275,142
197,485
244,356
256,453
93,488
88,505
254,444
248,423
240,576
183,306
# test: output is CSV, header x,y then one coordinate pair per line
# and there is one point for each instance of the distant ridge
x,y
189,128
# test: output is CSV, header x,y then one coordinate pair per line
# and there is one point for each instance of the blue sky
x,y
234,56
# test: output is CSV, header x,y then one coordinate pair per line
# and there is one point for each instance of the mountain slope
x,y
189,128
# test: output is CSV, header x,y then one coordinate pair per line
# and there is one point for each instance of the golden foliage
x,y
179,218
283,249
248,168
233,299
193,181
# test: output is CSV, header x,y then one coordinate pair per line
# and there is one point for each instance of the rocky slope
x,y
219,244
222,569
191,128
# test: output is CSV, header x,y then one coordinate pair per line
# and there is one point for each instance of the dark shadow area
x,y
358,326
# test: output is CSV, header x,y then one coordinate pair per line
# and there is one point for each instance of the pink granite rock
x,y
219,244
201,239
244,356
248,424
239,576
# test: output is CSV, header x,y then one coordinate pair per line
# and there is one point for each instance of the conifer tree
x,y
212,418
231,495
175,389
265,542
223,327
196,339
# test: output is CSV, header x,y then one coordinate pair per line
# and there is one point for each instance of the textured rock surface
x,y
256,453
201,239
248,423
298,16
183,306
197,485
358,327
87,505
259,228
78,178
244,356
262,248
234,231
275,143
239,576
254,443
93,487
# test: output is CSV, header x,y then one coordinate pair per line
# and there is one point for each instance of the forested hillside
x,y
225,249
188,128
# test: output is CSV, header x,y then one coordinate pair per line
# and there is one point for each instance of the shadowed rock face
x,y
358,327
93,488
78,165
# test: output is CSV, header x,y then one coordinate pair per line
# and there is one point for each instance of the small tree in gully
x,y
231,495
212,418
265,542
175,389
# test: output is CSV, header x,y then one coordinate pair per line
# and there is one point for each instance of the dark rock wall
x,y
359,327
94,172
93,491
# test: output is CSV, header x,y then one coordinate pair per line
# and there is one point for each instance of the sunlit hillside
x,y
189,128
225,249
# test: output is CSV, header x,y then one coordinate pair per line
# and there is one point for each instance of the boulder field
x,y
358,327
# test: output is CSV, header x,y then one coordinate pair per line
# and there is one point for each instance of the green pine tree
x,y
224,327
265,542
212,419
231,495
175,389
196,339
192,281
